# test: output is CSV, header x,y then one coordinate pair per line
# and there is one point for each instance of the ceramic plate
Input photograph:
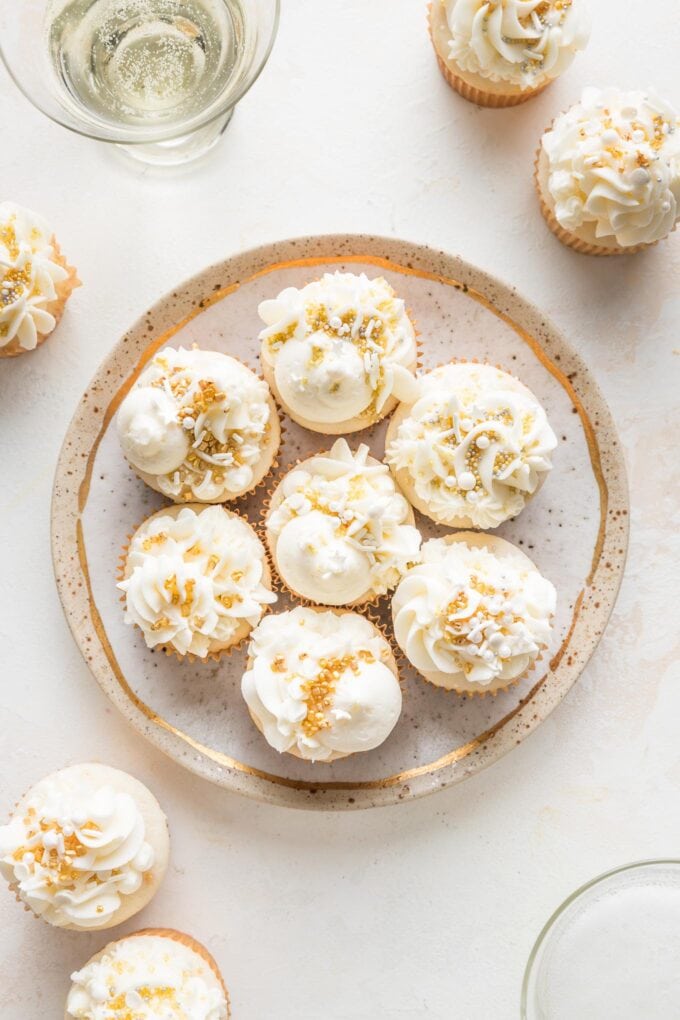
x,y
575,529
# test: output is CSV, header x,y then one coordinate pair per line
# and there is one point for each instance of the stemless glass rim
x,y
120,136
564,906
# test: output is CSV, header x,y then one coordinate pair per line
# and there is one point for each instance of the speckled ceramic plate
x,y
575,529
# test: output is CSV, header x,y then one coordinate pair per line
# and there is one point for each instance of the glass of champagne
x,y
158,77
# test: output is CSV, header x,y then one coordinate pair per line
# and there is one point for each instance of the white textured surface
x,y
428,909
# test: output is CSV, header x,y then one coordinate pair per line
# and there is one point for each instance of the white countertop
x,y
428,909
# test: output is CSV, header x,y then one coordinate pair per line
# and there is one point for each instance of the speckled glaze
x,y
576,529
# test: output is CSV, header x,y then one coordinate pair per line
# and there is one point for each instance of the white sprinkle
x,y
450,482
639,176
466,480
482,442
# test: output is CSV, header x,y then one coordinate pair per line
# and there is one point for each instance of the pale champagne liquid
x,y
152,63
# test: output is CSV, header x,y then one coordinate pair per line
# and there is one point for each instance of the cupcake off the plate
x,y
474,447
35,280
198,426
153,974
339,532
608,172
475,615
500,53
195,580
339,353
321,684
86,848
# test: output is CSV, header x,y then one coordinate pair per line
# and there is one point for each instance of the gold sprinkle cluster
x,y
318,692
61,872
176,599
160,996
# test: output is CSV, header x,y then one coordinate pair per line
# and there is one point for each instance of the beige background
x,y
428,909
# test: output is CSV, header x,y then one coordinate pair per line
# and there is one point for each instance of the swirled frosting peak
x,y
474,445
614,167
522,42
472,616
146,977
196,422
74,854
319,685
339,347
193,578
29,273
341,529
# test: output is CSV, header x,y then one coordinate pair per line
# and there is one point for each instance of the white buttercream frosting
x,y
614,166
74,852
192,579
146,977
339,347
320,685
342,528
522,42
474,445
197,422
470,617
29,273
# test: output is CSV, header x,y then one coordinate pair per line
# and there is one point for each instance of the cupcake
x,y
338,354
321,684
199,426
474,615
35,280
502,52
338,531
159,974
474,447
86,848
195,580
608,172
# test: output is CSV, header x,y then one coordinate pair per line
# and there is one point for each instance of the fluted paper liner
x,y
175,936
267,581
56,307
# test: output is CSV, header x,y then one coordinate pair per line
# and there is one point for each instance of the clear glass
x,y
611,951
158,77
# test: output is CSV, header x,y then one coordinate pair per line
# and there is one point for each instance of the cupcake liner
x,y
281,585
570,239
56,307
169,650
479,96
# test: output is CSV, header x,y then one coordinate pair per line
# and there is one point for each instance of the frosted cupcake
x,y
321,684
608,172
86,848
155,974
199,426
35,280
195,580
474,615
339,532
474,447
339,353
502,52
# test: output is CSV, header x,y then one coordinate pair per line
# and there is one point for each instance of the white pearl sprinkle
x,y
482,442
639,176
450,482
466,480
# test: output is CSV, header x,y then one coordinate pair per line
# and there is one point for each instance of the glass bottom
x,y
611,951
184,149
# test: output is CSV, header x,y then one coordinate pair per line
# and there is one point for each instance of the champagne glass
x,y
158,77
611,951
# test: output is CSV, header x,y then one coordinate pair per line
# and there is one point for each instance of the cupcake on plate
x,y
86,848
608,172
475,615
35,280
473,448
199,426
321,684
338,530
502,52
156,973
339,353
195,580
